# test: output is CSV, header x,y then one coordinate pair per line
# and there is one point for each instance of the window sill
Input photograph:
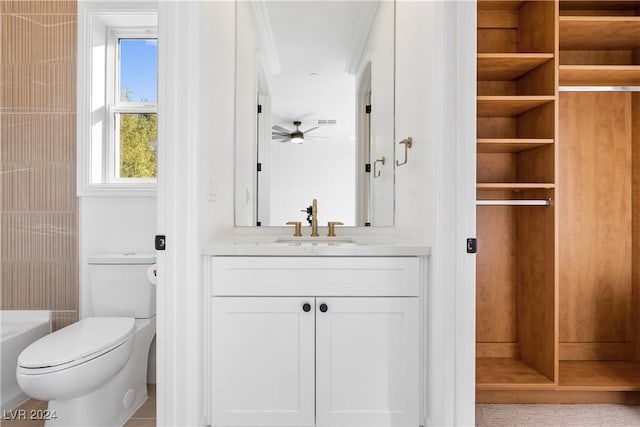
x,y
118,190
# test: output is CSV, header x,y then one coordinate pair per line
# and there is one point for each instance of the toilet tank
x,y
120,285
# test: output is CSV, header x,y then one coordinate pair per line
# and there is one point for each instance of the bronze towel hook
x,y
408,143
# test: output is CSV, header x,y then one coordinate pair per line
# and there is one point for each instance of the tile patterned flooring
x,y
144,417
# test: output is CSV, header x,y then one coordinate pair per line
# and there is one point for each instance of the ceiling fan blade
x,y
280,134
281,129
280,138
310,129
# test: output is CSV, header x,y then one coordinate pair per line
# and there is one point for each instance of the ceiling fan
x,y
278,133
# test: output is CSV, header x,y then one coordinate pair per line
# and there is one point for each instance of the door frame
x,y
179,302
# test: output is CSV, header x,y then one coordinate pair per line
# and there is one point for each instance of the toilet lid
x,y
91,336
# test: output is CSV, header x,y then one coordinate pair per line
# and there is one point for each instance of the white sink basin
x,y
316,241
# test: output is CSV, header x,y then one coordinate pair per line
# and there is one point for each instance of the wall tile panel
x,y
39,186
38,6
36,237
39,285
38,203
38,39
30,138
38,88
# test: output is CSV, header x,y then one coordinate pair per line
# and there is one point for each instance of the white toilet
x,y
94,372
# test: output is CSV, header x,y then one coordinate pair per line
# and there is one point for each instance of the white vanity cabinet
x,y
367,362
263,361
315,341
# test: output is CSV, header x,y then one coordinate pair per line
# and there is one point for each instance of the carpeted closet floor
x,y
490,415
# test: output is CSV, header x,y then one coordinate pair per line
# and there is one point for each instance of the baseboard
x,y
556,396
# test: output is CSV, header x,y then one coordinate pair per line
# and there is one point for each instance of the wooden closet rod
x,y
522,202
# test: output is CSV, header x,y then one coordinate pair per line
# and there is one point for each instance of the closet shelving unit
x,y
558,280
599,341
516,112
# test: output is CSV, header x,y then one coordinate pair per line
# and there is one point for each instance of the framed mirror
x,y
314,112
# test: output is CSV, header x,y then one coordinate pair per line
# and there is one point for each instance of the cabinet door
x,y
263,362
367,371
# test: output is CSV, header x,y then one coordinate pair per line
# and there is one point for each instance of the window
x,y
133,111
117,98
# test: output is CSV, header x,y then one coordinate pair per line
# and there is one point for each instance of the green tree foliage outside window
x,y
138,145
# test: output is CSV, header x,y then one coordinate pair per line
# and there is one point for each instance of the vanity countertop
x,y
261,245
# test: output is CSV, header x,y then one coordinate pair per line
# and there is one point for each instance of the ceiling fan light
x,y
297,137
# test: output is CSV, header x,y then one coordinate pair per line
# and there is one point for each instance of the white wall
x,y
114,225
418,105
435,190
217,120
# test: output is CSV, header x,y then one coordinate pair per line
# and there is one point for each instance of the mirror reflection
x,y
314,112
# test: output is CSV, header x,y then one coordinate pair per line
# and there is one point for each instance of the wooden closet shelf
x,y
599,5
600,75
509,145
509,106
599,32
509,66
506,373
513,186
599,375
499,5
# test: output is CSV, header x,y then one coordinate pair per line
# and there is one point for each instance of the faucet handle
x,y
309,212
332,228
298,228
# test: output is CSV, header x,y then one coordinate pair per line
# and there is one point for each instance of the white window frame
x,y
115,106
96,86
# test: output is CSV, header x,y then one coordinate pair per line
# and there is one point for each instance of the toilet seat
x,y
75,344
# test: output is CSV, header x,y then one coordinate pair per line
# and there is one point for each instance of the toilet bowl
x,y
102,387
94,372
76,360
